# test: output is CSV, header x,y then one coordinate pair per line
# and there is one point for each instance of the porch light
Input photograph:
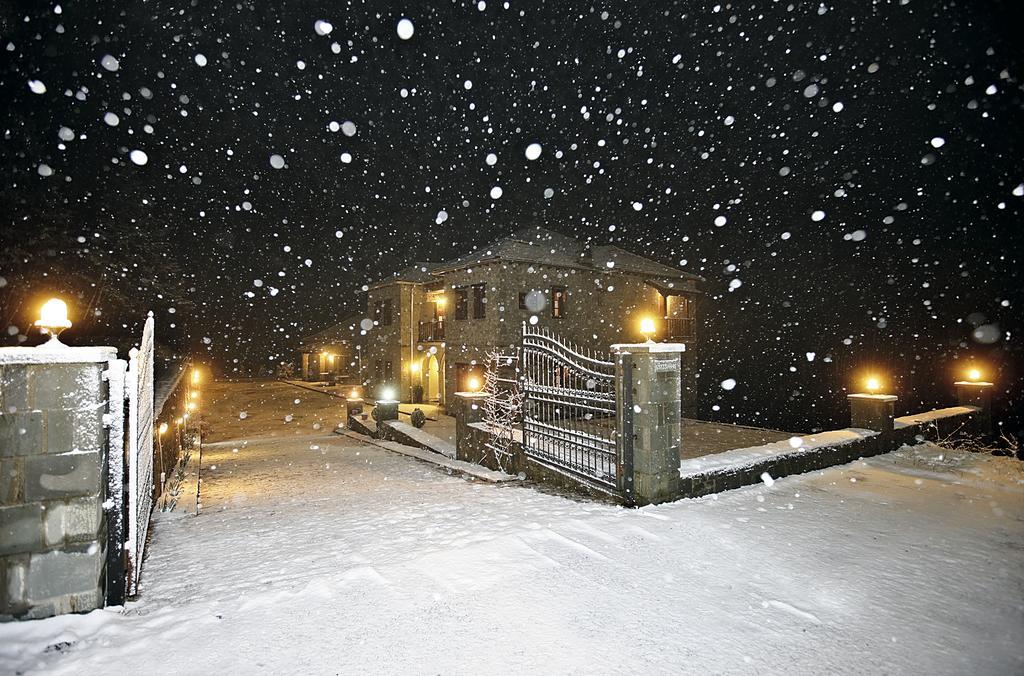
x,y
647,327
53,318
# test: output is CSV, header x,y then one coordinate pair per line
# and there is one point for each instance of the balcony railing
x,y
679,328
431,332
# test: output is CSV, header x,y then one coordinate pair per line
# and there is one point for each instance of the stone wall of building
x,y
601,309
52,485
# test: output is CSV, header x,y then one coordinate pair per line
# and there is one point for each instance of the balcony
x,y
431,332
679,328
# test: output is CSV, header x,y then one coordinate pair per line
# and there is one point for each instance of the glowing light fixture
x,y
647,327
353,393
440,301
163,428
414,367
387,393
873,384
196,376
473,383
191,406
53,318
974,374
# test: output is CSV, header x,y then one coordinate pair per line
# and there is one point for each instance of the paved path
x,y
317,554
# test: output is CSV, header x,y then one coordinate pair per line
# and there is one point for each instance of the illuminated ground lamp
x,y
975,392
353,404
53,318
647,328
872,409
387,406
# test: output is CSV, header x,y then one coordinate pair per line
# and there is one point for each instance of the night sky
x,y
846,176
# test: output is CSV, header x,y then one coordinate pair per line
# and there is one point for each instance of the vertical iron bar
x,y
626,461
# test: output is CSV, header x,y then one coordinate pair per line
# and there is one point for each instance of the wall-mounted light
x,y
53,318
162,428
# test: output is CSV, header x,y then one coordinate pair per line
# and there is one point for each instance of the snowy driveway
x,y
315,554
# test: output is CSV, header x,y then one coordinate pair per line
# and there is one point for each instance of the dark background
x,y
934,283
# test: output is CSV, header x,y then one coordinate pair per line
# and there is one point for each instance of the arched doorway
x,y
432,379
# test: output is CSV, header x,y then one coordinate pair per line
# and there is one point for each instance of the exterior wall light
x,y
163,428
53,318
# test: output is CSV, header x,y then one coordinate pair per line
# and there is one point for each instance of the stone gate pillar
x,y
53,479
649,420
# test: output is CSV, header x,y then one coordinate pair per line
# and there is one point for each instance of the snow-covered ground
x,y
317,554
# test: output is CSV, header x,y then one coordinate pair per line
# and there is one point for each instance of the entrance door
x,y
432,379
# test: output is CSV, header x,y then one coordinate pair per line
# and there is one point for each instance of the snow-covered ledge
x,y
62,354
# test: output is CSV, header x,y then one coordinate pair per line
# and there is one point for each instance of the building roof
x,y
345,330
417,273
545,247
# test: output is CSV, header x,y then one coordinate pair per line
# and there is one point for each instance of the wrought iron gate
x,y
569,412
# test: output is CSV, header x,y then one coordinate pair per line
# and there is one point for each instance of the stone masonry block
x,y
65,386
76,520
12,481
13,584
60,431
21,433
64,572
13,388
60,476
21,528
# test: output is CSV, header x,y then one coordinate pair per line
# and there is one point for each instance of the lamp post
x,y
974,391
53,318
872,410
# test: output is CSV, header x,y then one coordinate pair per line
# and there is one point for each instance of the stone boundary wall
x,y
472,436
802,460
53,479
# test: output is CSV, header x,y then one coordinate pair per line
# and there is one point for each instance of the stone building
x,y
434,323
333,354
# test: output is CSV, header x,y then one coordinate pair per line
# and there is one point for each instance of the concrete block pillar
x,y
468,408
53,479
649,420
386,409
353,408
979,396
872,411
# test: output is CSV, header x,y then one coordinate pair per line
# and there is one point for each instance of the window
x,y
522,300
479,301
558,298
462,303
382,312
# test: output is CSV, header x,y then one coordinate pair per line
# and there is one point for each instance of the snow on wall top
x,y
742,457
55,355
